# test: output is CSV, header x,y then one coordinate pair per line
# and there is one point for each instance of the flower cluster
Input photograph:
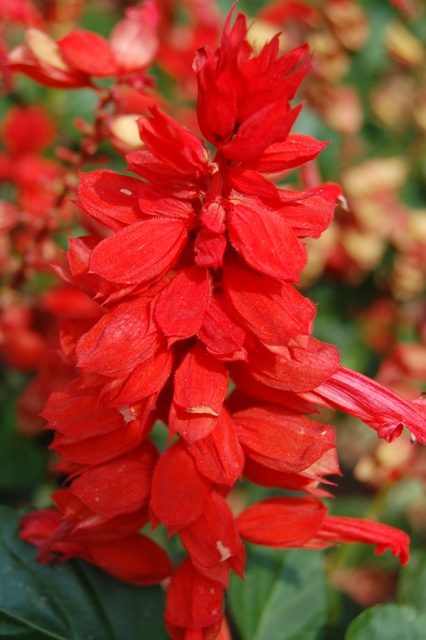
x,y
194,265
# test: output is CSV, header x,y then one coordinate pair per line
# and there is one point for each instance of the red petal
x,y
135,559
180,308
169,180
98,449
271,124
193,600
119,340
294,151
308,218
266,477
201,383
134,39
173,143
219,456
213,538
283,442
88,52
178,489
140,252
77,412
217,99
275,312
209,248
153,202
117,487
110,198
282,522
222,336
192,427
300,371
265,241
146,379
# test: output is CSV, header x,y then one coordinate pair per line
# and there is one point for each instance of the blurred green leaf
x,y
283,598
412,582
388,622
71,601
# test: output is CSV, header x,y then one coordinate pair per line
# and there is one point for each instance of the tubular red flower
x,y
340,529
379,407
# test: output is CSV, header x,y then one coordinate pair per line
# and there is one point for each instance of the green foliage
x,y
388,622
412,582
283,597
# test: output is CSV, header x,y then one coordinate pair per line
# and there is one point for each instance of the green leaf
x,y
70,601
412,582
284,596
388,622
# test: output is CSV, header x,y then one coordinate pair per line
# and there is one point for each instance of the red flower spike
x,y
213,538
219,456
152,247
192,287
282,522
110,198
265,241
194,602
88,52
282,442
178,489
242,94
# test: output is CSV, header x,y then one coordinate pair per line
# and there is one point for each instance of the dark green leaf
x,y
283,597
71,601
412,582
388,622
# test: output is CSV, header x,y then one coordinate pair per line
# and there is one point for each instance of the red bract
x,y
193,264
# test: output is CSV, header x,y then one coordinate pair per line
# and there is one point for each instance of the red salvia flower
x,y
195,274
